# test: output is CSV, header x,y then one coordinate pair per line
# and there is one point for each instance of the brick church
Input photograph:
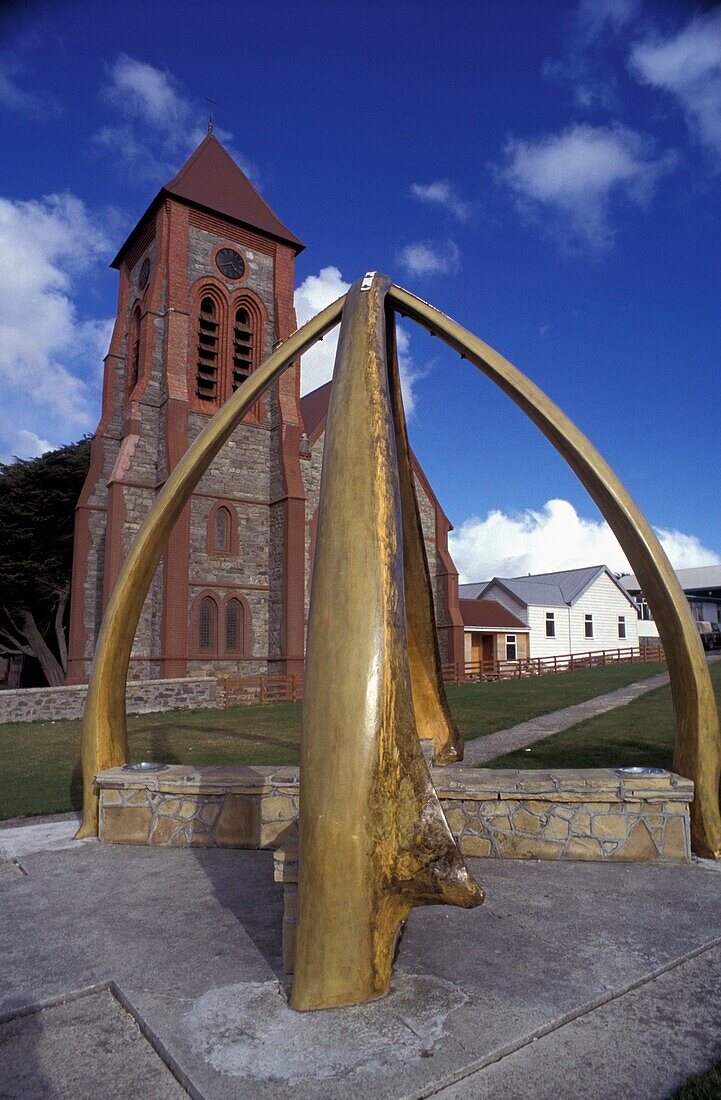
x,y
206,291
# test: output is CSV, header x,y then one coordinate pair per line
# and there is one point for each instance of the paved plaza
x,y
147,972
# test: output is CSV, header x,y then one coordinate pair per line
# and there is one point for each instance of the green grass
x,y
641,733
40,767
705,1086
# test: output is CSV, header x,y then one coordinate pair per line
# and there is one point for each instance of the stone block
x,y
523,822
536,806
510,846
584,847
208,812
168,807
110,798
136,798
273,833
676,842
581,824
277,807
557,828
639,847
127,824
610,826
456,820
475,846
238,824
164,830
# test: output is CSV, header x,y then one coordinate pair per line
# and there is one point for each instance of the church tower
x,y
206,290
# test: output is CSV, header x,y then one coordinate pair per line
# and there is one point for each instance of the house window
x,y
207,625
242,347
234,627
222,529
588,625
207,379
511,647
622,626
550,624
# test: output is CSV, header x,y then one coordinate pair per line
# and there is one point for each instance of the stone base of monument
x,y
596,814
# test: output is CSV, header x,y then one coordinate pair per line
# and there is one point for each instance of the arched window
x,y
134,348
242,347
208,347
207,626
222,529
234,627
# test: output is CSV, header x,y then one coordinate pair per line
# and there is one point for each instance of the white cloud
x,y
16,98
50,359
503,545
426,258
161,124
314,294
688,66
30,445
442,193
592,27
570,181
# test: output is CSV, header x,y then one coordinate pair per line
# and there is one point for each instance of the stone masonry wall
x,y
587,815
143,697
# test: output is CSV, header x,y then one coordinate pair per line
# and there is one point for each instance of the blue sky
x,y
547,174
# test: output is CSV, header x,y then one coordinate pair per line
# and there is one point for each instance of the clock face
x,y
230,263
144,274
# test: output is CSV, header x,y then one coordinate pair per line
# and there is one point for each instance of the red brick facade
x,y
265,482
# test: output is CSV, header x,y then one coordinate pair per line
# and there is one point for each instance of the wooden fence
x,y
289,689
262,689
549,666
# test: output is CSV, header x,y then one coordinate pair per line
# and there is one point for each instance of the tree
x,y
37,519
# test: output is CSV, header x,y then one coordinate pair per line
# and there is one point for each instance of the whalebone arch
x,y
698,743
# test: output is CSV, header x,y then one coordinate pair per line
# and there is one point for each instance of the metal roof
x,y
558,589
698,577
471,591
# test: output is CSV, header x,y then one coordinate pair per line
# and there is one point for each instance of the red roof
x,y
314,409
489,615
210,178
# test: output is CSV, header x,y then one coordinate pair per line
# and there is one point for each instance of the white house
x,y
570,611
702,588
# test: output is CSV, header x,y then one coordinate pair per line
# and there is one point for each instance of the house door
x,y
488,654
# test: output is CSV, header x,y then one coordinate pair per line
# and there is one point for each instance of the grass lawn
x,y
40,766
642,732
705,1086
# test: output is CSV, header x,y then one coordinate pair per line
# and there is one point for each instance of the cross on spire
x,y
211,103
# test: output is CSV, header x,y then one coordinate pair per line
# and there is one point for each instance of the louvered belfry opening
x,y
208,347
242,347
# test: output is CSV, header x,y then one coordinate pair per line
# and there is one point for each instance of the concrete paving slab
x,y
644,1043
21,840
192,940
87,1047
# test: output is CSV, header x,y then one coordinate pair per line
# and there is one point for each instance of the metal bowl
x,y
636,770
145,766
